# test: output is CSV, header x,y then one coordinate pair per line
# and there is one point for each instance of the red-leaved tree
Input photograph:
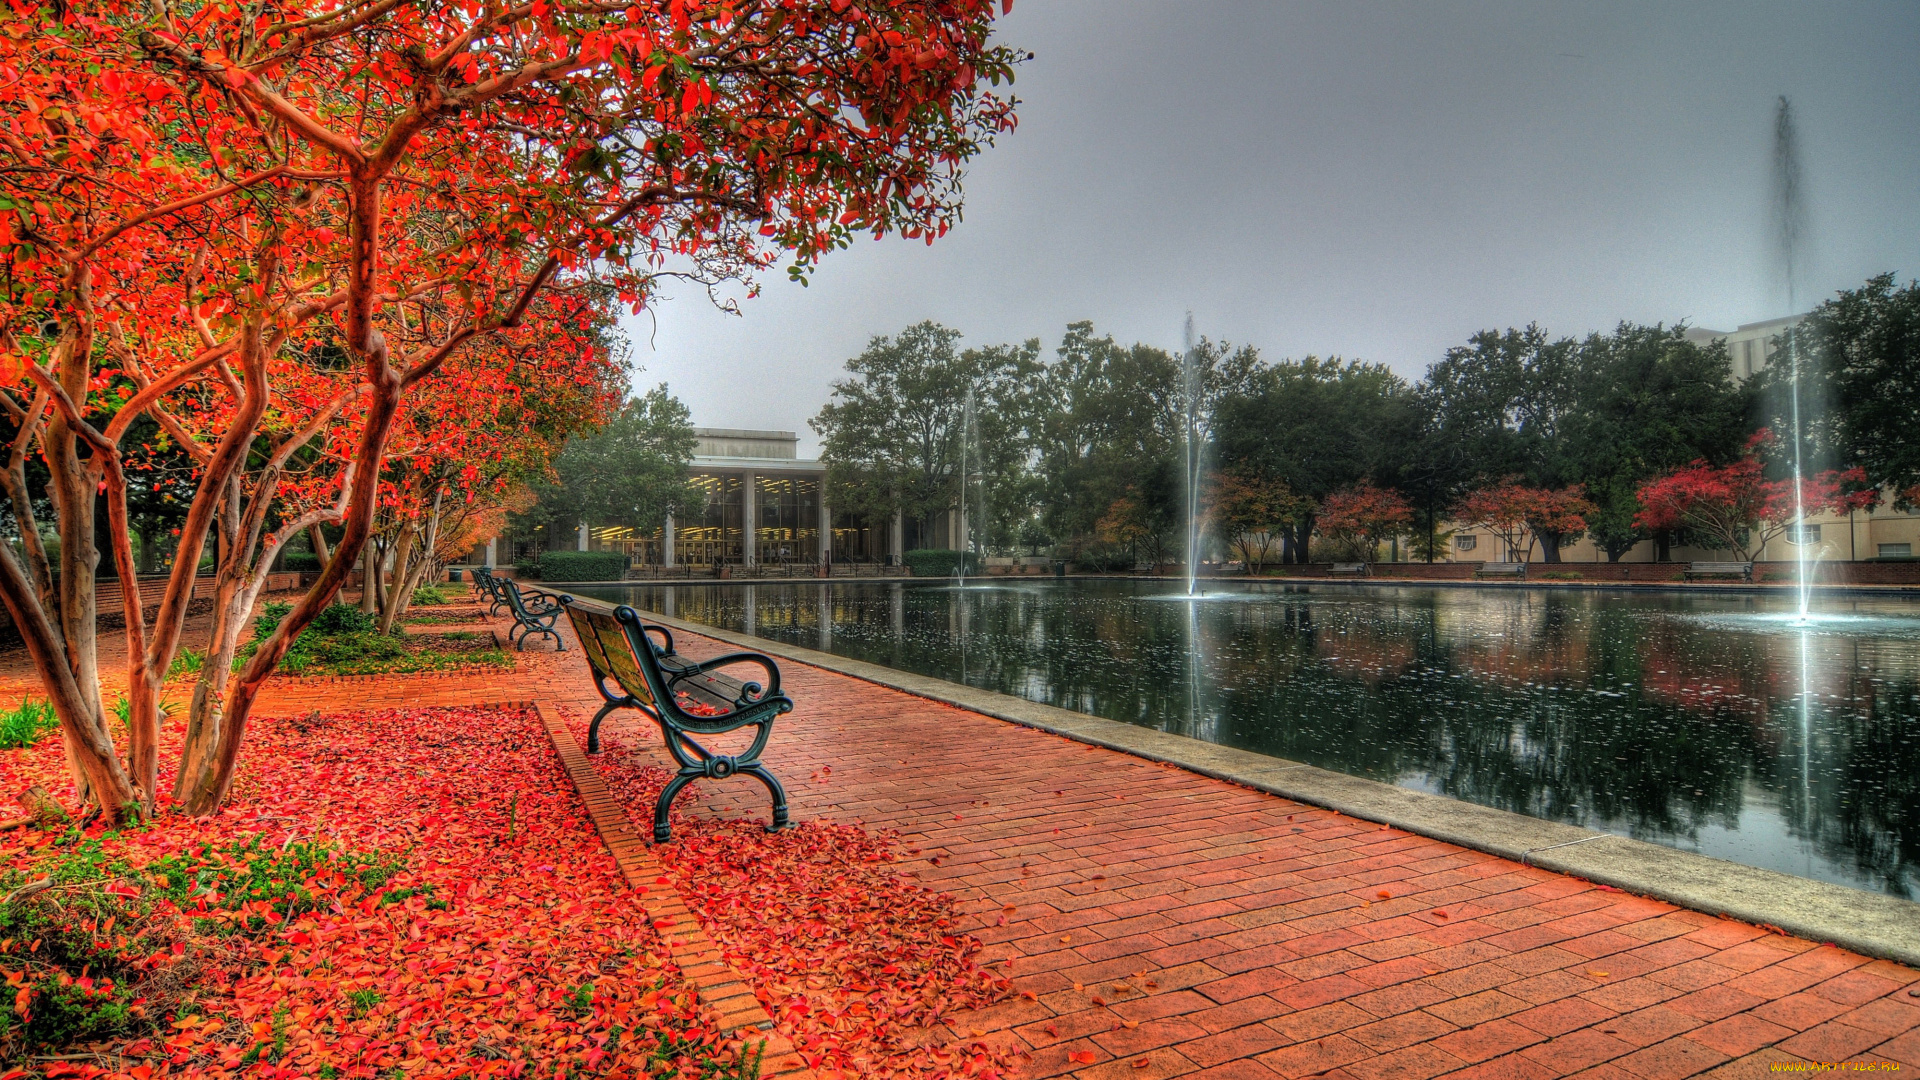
x,y
265,228
1358,520
1736,508
1521,516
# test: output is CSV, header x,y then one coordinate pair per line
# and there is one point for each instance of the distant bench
x,y
1741,570
1517,570
1354,569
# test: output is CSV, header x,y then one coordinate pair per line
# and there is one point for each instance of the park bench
x,y
654,680
1741,570
533,618
1502,569
1352,569
490,589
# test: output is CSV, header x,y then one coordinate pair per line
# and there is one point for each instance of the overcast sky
x,y
1376,181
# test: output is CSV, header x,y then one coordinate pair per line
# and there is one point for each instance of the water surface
x,y
1708,722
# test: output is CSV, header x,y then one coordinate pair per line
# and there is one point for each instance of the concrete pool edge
x,y
1873,924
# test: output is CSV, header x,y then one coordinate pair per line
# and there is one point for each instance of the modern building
x,y
765,505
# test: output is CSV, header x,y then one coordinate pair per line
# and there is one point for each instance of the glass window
x,y
1465,543
1805,534
1896,551
710,535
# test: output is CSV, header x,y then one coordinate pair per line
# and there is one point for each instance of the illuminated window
x,y
1465,543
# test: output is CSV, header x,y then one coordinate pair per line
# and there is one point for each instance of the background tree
x,y
1318,426
633,471
1111,411
1646,402
1356,521
1860,363
891,435
1250,513
1736,508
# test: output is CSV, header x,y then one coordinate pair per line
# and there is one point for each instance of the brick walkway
x,y
1171,925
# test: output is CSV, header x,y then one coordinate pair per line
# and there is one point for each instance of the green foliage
x,y
526,570
252,871
633,470
363,1001
1563,575
24,724
305,562
1860,366
186,662
892,433
265,623
342,619
939,562
582,566
430,595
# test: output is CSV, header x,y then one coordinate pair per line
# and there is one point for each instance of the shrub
x,y
305,562
527,569
1563,575
429,595
940,562
188,662
342,619
24,725
583,566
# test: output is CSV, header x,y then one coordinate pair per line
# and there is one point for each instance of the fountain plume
x,y
1790,219
1190,402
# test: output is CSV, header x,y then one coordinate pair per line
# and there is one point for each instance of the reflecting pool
x,y
1709,722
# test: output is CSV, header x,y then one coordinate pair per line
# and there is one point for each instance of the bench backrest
x,y
1348,567
516,601
608,649
1721,567
1502,567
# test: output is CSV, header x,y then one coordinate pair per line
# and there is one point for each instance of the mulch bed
x,y
455,915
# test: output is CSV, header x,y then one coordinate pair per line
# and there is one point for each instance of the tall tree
x,y
1646,401
1115,413
1317,426
632,472
1860,363
892,434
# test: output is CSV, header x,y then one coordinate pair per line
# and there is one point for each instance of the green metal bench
x,y
491,586
535,618
620,648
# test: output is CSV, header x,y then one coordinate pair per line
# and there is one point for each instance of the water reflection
x,y
1699,721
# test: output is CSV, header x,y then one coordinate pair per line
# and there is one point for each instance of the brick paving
x,y
1171,925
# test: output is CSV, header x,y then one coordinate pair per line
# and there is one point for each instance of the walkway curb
x,y
718,986
1872,924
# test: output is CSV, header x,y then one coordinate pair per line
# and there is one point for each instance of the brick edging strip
x,y
718,986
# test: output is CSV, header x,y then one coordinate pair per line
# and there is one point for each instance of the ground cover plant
x,y
864,970
347,641
457,917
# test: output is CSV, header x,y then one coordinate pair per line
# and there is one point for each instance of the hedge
x,y
300,562
582,566
940,562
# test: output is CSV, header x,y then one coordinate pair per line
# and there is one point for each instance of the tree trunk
x,y
207,778
1303,539
317,536
369,578
1549,546
1662,546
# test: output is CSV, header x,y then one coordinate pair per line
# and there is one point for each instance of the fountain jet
x,y
1190,401
1790,217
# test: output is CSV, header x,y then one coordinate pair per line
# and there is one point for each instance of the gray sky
x,y
1370,180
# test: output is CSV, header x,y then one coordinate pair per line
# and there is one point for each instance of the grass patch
x,y
1563,575
442,618
431,595
24,724
343,640
188,662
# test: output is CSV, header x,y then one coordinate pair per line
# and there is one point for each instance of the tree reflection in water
x,y
1671,717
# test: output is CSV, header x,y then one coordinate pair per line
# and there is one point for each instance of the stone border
x,y
1873,924
718,986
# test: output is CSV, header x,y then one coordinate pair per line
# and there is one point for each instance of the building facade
x,y
763,505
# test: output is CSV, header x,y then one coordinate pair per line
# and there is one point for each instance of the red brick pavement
x,y
1173,925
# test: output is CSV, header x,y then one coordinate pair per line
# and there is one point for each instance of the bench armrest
x,y
748,696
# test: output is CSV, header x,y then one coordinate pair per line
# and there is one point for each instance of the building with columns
x,y
765,505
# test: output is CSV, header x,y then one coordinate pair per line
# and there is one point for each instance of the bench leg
x,y
662,832
593,729
761,773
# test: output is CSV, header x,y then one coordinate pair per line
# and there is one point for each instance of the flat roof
x,y
745,433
